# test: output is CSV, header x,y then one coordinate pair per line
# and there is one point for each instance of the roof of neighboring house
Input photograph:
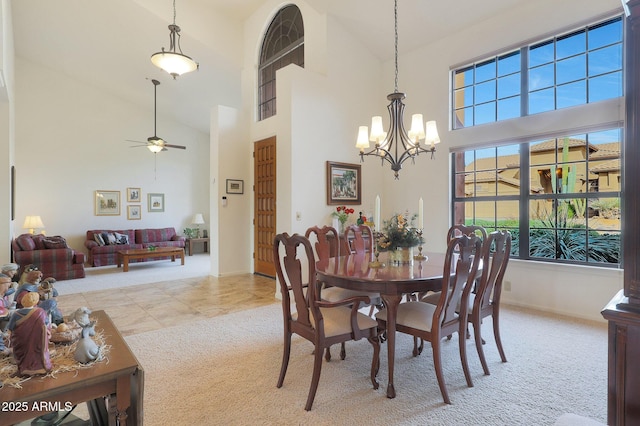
x,y
606,166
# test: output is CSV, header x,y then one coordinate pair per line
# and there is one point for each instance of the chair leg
x,y
437,363
477,335
375,361
315,378
285,358
496,333
343,351
462,337
327,354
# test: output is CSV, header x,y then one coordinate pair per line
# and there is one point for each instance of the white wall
x,y
70,141
7,124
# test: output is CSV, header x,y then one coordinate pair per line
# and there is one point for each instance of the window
x,y
559,197
580,67
283,44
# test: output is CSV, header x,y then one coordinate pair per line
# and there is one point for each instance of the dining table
x,y
393,282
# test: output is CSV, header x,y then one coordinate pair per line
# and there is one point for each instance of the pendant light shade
x,y
174,61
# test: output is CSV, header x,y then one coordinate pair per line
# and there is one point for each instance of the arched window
x,y
283,44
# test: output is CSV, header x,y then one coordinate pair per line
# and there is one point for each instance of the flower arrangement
x,y
399,232
342,213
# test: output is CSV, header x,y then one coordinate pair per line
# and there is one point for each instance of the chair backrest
x,y
291,255
496,252
457,230
457,284
327,243
359,239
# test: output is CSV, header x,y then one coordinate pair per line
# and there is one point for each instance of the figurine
x,y
5,310
87,350
30,337
45,290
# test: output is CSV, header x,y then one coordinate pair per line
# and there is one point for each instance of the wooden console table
x,y
624,368
189,244
124,256
116,384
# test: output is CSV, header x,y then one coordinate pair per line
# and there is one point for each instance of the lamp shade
x,y
174,63
432,133
197,219
154,148
363,137
32,222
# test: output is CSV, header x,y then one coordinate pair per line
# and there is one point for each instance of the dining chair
x,y
327,245
433,322
359,239
320,322
460,229
486,301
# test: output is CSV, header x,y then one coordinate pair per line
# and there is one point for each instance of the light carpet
x,y
109,277
224,370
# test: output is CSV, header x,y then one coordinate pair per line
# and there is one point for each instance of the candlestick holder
x,y
376,251
419,256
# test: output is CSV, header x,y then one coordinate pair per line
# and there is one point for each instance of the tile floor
x,y
140,308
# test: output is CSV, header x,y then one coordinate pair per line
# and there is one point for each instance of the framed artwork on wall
x,y
133,195
134,212
107,203
344,183
235,186
155,202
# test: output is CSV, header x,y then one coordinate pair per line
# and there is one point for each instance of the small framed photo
x,y
134,212
235,186
107,203
155,202
133,195
344,183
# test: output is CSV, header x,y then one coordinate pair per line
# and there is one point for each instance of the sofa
x,y
103,244
51,255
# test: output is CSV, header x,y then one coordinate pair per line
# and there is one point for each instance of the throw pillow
x,y
112,239
98,238
56,242
39,241
105,238
25,242
121,238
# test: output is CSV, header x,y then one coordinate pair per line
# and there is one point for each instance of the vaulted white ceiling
x,y
109,43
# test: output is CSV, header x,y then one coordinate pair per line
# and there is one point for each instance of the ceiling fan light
x,y
155,148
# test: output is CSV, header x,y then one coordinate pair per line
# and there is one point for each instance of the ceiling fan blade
x,y
175,146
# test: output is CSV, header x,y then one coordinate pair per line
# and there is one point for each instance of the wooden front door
x,y
264,214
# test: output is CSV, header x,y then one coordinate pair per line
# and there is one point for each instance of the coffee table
x,y
124,256
113,387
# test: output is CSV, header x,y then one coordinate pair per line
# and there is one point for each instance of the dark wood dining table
x,y
392,282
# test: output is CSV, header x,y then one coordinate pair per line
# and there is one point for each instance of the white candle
x,y
376,218
421,213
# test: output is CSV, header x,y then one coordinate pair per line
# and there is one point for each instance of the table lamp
x,y
197,220
32,223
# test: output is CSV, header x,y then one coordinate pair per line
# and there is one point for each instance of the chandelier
x,y
388,146
175,63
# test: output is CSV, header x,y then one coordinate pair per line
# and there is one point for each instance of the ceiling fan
x,y
154,143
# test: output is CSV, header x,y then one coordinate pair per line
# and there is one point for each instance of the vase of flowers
x,y
342,214
399,237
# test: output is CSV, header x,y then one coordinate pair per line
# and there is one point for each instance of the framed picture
x,y
107,203
235,186
344,183
133,195
134,212
155,202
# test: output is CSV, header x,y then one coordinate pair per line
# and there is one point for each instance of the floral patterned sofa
x,y
51,255
103,245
